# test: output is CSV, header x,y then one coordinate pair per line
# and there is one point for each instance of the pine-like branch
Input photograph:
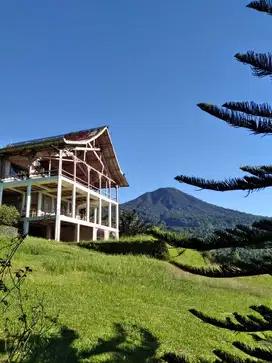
x,y
225,271
250,108
264,6
243,324
247,183
262,171
261,63
236,119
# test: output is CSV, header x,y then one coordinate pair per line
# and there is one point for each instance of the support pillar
x,y
78,232
100,211
49,232
1,193
39,206
49,166
28,205
74,192
58,208
95,215
23,204
106,235
94,233
109,214
88,208
117,221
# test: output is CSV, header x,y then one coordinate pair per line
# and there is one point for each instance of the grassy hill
x,y
131,308
179,211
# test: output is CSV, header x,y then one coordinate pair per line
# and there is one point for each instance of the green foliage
x,y
9,215
257,119
130,224
148,297
153,248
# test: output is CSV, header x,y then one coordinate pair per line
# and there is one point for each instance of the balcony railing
x,y
24,175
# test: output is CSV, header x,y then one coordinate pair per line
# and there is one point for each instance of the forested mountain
x,y
178,211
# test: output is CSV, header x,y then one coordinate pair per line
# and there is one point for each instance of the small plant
x,y
25,325
9,215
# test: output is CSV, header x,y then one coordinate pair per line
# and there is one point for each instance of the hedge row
x,y
156,249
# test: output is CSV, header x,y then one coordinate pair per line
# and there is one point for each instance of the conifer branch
x,y
264,6
244,183
261,63
237,119
260,171
250,108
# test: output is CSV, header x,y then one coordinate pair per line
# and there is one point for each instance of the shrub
x,y
9,215
156,249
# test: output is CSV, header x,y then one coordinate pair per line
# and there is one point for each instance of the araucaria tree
x,y
258,119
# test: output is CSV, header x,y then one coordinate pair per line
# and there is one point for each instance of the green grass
x,y
131,308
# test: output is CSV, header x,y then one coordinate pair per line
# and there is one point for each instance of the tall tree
x,y
131,223
258,119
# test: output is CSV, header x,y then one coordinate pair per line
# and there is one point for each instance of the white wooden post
x,y
74,192
78,232
29,166
1,193
94,233
106,235
28,205
100,183
100,211
58,208
116,193
88,208
109,214
23,203
95,215
39,206
117,221
109,189
88,176
48,232
50,166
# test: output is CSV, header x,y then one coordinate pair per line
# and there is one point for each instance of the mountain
x,y
178,211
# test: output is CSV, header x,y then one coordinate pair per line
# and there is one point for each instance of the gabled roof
x,y
77,136
101,134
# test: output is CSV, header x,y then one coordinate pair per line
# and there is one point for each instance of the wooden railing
x,y
24,175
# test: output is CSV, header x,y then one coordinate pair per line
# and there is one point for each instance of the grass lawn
x,y
132,308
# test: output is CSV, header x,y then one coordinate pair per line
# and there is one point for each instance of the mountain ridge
x,y
179,211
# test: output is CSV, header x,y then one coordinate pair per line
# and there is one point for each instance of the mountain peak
x,y
178,211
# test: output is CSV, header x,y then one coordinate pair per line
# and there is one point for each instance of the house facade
x,y
65,187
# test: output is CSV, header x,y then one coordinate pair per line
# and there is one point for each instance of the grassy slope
x,y
94,292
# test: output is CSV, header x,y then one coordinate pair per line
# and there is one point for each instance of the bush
x,y
156,249
9,215
8,231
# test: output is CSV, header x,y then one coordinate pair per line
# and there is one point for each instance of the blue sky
x,y
140,67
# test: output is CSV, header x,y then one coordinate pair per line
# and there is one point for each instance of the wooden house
x,y
65,187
